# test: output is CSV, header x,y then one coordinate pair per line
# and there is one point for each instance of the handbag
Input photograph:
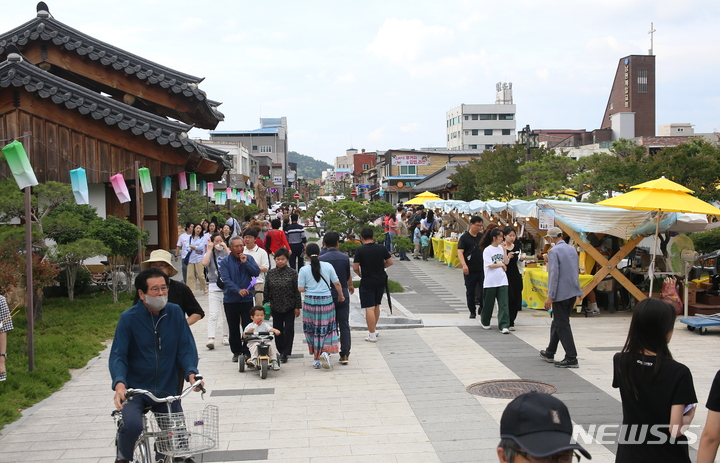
x,y
220,284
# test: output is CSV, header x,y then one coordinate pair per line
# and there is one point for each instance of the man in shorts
x,y
371,260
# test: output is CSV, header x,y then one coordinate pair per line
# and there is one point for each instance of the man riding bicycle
x,y
152,346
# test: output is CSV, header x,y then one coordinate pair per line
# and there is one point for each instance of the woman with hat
x,y
178,292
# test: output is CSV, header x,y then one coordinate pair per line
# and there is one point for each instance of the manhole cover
x,y
506,389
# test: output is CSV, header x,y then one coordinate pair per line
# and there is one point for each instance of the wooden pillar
x,y
172,221
163,218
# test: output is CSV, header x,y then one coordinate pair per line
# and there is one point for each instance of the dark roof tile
x,y
16,72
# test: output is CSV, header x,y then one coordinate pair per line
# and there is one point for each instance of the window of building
x,y
366,166
488,117
254,147
474,117
474,132
473,147
506,131
488,131
611,106
642,81
266,148
507,117
467,118
680,129
408,170
467,132
488,147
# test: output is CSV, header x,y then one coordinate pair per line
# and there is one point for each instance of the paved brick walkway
x,y
403,399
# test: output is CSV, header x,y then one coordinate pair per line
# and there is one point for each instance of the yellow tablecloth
x,y
450,250
437,244
535,283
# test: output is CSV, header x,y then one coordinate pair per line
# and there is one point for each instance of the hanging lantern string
x,y
15,138
75,163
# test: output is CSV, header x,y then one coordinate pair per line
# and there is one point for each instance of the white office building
x,y
482,126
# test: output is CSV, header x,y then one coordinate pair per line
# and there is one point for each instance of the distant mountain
x,y
308,166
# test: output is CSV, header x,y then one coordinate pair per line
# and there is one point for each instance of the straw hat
x,y
160,255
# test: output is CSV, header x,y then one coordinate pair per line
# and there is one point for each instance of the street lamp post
x,y
530,140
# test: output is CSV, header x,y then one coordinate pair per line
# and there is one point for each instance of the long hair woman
x,y
319,323
495,283
198,244
281,292
657,392
515,283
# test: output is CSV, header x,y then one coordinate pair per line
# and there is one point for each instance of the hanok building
x,y
81,102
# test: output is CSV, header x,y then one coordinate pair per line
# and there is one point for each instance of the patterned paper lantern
x,y
193,182
78,179
166,187
19,164
182,179
121,189
145,180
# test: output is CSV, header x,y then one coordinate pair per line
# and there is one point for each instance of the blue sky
x,y
381,74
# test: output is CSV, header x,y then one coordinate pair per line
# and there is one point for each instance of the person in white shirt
x,y
261,259
495,284
183,247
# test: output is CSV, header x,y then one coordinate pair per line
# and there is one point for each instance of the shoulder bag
x,y
220,284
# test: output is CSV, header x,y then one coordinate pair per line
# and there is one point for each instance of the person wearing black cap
x,y
563,289
537,427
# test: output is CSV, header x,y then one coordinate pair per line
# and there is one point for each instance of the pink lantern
x,y
182,179
121,189
211,189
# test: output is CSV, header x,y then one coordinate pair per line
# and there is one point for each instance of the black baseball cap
x,y
540,424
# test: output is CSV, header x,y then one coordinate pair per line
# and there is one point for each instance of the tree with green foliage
x,y
707,241
69,222
494,175
349,217
121,238
193,207
44,198
289,196
70,256
307,166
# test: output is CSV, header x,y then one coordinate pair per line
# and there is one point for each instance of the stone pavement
x,y
403,399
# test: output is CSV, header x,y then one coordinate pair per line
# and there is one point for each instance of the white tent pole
x,y
651,269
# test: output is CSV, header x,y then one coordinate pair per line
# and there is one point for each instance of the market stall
x,y
535,285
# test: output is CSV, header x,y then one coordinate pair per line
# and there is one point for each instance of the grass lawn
x,y
70,334
395,287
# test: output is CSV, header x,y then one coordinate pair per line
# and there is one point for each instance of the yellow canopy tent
x,y
422,197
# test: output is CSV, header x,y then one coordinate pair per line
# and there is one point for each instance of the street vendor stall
x,y
535,285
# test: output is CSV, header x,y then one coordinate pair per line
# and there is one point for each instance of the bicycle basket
x,y
186,433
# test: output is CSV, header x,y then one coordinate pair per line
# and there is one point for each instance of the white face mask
x,y
156,303
264,229
218,247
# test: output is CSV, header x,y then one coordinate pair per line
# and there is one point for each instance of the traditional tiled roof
x,y
16,72
46,28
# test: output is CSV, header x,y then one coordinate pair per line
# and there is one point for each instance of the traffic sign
x,y
353,193
297,195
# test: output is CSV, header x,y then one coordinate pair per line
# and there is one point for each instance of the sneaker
x,y
225,341
325,361
344,360
250,363
283,358
316,364
592,312
235,357
210,344
275,365
371,339
472,315
505,331
483,326
512,328
547,357
566,363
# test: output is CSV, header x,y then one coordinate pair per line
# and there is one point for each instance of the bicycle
x,y
105,277
176,434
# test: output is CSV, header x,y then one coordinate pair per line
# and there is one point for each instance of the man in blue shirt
x,y
237,271
341,263
152,346
297,240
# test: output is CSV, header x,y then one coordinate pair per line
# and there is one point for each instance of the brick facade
x,y
633,91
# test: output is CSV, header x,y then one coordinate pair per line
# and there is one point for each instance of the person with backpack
x,y
232,223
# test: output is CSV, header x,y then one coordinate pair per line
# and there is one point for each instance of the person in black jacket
x,y
178,292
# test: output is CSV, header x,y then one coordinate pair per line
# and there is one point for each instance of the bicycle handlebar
x,y
130,393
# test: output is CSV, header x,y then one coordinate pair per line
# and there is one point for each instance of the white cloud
x,y
348,78
377,134
192,23
410,127
543,74
408,40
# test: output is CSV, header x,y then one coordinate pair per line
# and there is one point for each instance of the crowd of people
x,y
251,268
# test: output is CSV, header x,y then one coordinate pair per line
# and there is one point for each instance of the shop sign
x,y
411,160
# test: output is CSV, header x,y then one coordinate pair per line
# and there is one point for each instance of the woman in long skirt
x,y
319,323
